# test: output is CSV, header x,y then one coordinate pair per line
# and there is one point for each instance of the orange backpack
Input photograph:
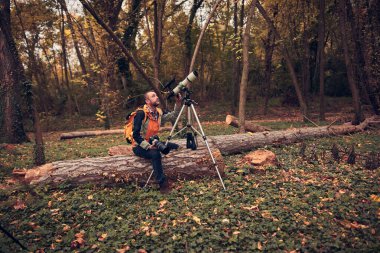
x,y
128,127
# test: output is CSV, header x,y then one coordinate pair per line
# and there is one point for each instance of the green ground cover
x,y
309,204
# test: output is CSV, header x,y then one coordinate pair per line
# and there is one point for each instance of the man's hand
x,y
152,147
178,99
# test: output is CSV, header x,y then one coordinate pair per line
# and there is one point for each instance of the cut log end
x,y
249,125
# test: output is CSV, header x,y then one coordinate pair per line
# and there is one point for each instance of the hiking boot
x,y
165,187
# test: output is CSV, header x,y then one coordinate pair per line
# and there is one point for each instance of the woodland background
x,y
279,64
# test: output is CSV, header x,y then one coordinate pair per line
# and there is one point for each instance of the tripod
x,y
191,143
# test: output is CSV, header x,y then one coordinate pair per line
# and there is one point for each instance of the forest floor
x,y
311,203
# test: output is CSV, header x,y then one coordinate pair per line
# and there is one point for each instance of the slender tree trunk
x,y
236,63
123,49
188,41
159,10
371,45
305,66
202,33
321,54
361,68
52,69
269,45
64,66
129,37
301,100
75,42
358,116
244,75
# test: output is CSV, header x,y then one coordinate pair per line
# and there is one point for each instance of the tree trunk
x,y
301,100
249,125
159,9
75,42
81,134
188,41
361,68
244,74
269,48
237,143
201,35
11,124
123,49
321,54
236,63
180,164
129,37
358,116
64,66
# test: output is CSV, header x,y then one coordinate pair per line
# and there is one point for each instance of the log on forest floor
x,y
178,164
81,134
249,125
181,164
238,143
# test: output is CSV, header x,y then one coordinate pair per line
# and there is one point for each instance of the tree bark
x,y
236,65
321,54
70,94
81,134
123,49
249,125
129,37
201,35
238,143
361,68
285,52
188,42
358,115
180,164
75,42
244,74
269,49
11,120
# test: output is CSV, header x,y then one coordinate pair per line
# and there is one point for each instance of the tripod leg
x,y
208,147
175,124
148,178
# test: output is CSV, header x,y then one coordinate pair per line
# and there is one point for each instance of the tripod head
x,y
186,99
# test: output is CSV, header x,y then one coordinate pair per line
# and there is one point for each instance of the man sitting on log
x,y
147,121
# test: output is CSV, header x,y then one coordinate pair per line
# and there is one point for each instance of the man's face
x,y
152,99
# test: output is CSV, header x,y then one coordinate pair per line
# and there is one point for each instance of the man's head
x,y
151,98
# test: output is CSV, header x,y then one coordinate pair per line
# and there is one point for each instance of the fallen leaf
x,y
102,237
19,205
259,246
163,202
123,250
375,198
196,219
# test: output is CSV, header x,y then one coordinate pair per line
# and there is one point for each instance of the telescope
x,y
182,85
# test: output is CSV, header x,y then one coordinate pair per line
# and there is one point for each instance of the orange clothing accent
x,y
153,124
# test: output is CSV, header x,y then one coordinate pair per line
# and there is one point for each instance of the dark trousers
x,y
155,156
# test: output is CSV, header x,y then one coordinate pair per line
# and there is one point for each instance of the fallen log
x,y
249,125
81,134
179,164
238,143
